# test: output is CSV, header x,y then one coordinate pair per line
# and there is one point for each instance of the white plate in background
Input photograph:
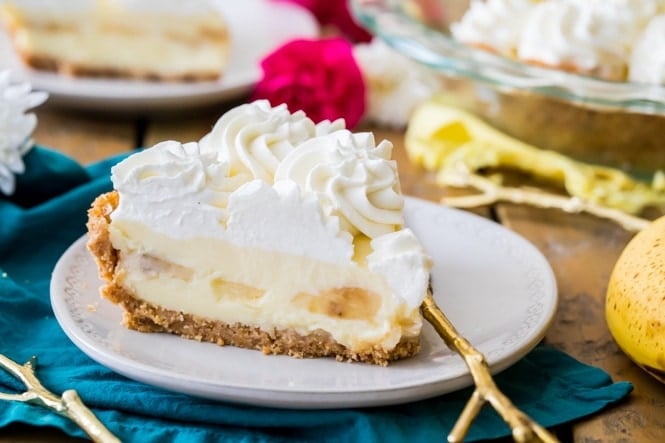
x,y
256,28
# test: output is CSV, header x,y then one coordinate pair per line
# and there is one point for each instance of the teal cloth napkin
x,y
48,212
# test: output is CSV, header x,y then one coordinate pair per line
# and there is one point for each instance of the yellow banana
x,y
635,302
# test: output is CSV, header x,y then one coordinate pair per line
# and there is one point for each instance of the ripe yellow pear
x,y
635,303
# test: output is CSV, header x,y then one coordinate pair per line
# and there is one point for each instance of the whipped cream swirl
x,y
174,188
493,24
255,137
353,179
400,257
183,189
589,37
647,62
16,126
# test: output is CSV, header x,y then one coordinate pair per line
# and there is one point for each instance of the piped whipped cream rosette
x,y
16,127
253,139
272,233
494,24
591,37
647,62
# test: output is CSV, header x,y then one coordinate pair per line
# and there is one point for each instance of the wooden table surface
x,y
581,249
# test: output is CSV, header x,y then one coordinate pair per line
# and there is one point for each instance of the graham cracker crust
x,y
147,317
53,64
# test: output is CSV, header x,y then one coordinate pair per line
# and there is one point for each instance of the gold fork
x,y
524,429
68,405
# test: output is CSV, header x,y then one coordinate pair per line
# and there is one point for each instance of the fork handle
x,y
85,418
521,425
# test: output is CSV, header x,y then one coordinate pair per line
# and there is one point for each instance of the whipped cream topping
x,y
593,37
647,63
255,137
494,24
352,178
396,83
175,189
51,7
590,37
635,13
189,7
44,12
279,218
326,189
400,258
78,6
16,127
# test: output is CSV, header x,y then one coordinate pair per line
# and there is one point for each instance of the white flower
x,y
395,83
15,128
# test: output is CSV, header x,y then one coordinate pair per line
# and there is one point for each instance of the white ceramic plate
x,y
495,286
256,27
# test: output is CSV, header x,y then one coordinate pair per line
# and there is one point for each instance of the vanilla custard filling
x,y
217,280
101,50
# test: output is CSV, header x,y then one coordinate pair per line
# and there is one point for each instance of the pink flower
x,y
319,77
337,14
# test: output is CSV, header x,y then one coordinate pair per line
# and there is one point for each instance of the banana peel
x,y
445,139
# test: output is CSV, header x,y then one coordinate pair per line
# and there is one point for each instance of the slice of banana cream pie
x,y
271,233
164,40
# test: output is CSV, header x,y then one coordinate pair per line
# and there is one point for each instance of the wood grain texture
x,y
84,136
582,250
182,130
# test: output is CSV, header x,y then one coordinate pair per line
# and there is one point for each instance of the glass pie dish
x,y
619,124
